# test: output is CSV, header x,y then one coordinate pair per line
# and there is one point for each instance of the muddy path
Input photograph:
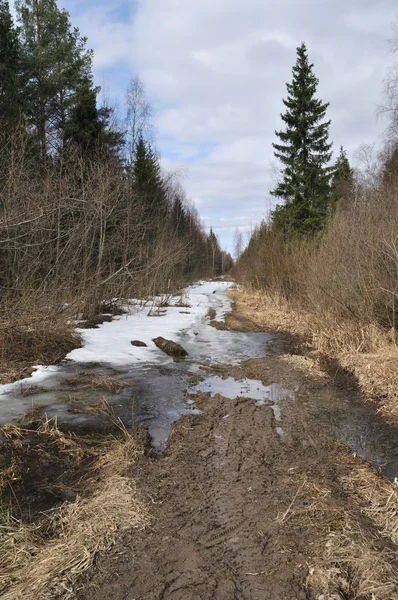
x,y
247,493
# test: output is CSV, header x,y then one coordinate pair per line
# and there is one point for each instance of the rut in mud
x,y
237,511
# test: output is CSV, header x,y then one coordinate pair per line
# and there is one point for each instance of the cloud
x,y
216,71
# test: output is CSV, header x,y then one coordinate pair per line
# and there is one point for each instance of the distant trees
x,y
304,151
342,182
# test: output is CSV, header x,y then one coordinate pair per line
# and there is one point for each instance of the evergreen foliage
x,y
55,63
304,152
342,184
88,127
11,83
149,188
178,218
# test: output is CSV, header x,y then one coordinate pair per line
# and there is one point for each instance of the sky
x,y
215,71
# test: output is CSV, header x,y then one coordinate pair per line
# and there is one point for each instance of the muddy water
x,y
156,395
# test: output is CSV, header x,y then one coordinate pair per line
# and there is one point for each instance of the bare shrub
x,y
74,234
347,279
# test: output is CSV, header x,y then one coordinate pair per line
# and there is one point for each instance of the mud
x,y
237,511
245,497
40,470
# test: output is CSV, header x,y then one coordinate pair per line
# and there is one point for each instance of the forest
x,y
86,211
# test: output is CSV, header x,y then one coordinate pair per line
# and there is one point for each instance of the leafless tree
x,y
238,243
139,119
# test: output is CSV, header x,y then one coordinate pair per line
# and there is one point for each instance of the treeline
x,y
331,247
86,211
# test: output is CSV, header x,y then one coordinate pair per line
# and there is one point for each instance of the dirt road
x,y
239,511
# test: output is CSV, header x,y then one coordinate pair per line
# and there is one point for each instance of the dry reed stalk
x,y
110,384
381,498
34,567
353,568
368,352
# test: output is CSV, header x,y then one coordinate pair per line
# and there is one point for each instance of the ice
x,y
111,342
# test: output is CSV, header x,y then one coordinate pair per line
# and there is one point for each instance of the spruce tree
x,y
214,253
342,184
304,152
11,84
178,218
88,126
84,127
149,187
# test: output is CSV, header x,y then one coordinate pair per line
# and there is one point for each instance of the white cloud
x,y
217,69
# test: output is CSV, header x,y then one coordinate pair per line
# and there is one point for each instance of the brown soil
x,y
235,510
238,512
41,468
95,322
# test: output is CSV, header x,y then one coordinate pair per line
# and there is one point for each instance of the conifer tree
x,y
88,126
214,252
304,152
11,84
84,127
148,185
56,63
178,218
342,184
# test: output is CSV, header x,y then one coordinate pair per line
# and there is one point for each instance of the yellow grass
x,y
352,565
368,352
45,560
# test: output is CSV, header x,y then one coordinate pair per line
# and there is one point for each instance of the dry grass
x,y
353,568
46,559
379,500
100,407
109,384
39,341
368,352
269,312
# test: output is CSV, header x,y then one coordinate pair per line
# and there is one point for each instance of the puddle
x,y
270,395
344,414
358,425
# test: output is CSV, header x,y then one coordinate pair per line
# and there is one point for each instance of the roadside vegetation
x,y
90,496
326,263
86,211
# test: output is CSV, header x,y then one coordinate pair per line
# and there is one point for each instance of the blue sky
x,y
215,70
